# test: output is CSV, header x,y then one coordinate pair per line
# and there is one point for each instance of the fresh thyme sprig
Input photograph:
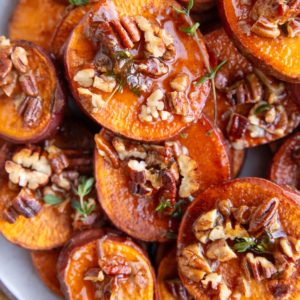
x,y
52,199
191,30
164,204
84,207
256,245
203,53
79,2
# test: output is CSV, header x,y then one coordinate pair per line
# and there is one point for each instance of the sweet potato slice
x,y
140,88
285,164
237,158
106,264
65,27
35,20
201,5
37,189
138,209
253,108
45,264
32,101
169,285
278,56
235,235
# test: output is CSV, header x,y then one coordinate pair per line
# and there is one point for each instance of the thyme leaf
x,y
184,135
185,11
79,2
211,74
262,108
191,30
164,204
52,199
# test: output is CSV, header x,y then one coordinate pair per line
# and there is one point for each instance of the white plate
x,y
17,275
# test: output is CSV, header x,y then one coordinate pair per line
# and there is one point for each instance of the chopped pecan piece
x,y
9,83
244,287
28,84
263,215
219,250
5,67
178,103
237,126
24,204
279,289
58,160
94,275
128,150
290,247
192,263
116,265
85,77
212,280
237,232
65,180
176,289
266,28
257,267
168,189
225,207
189,183
180,83
105,83
31,109
152,67
217,233
158,156
19,59
137,171
242,214
139,189
28,168
206,221
293,27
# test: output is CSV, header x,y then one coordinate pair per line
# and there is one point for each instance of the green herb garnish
x,y
190,30
262,108
79,2
185,11
177,212
164,204
256,245
52,199
184,135
211,75
84,207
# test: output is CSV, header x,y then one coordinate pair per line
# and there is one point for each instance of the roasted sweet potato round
x,y
31,98
252,107
241,239
133,70
169,285
35,20
38,185
105,266
267,33
143,188
200,5
285,164
237,159
45,264
65,27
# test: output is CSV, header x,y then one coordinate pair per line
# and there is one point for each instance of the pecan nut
x,y
19,59
31,109
263,215
5,67
28,84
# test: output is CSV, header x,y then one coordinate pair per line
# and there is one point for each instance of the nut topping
x,y
265,28
28,84
180,82
293,27
206,221
19,59
85,77
257,267
179,103
189,183
28,168
219,250
263,215
211,280
31,109
5,67
104,83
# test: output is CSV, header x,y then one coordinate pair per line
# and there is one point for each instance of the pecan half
x,y
130,25
225,207
19,59
168,189
24,204
178,103
257,267
242,214
28,84
176,289
219,250
263,215
237,126
9,83
58,160
31,109
266,28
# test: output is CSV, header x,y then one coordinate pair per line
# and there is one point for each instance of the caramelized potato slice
x,y
35,20
285,164
137,213
37,185
105,265
130,69
260,35
169,285
31,98
221,259
237,158
45,265
252,108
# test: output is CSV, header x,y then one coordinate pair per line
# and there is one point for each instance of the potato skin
x,y
249,191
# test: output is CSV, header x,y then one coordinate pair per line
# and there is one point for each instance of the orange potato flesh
x,y
245,191
168,271
48,230
237,67
35,20
279,57
120,115
284,169
80,255
136,215
65,27
11,123
45,264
